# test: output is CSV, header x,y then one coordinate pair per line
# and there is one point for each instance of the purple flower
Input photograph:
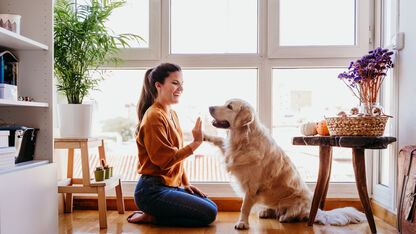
x,y
361,73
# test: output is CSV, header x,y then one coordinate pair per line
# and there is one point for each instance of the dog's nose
x,y
211,109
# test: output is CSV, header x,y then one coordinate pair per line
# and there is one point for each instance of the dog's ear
x,y
244,117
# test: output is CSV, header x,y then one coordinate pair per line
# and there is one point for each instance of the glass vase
x,y
371,108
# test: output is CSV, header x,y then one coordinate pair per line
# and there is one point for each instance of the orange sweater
x,y
160,145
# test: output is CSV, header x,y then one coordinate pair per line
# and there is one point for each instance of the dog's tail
x,y
340,216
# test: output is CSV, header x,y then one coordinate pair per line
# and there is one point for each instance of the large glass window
x,y
215,26
307,95
318,22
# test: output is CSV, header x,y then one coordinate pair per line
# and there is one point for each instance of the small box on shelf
x,y
7,159
4,138
8,91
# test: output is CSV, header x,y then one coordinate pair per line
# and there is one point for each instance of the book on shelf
x,y
8,68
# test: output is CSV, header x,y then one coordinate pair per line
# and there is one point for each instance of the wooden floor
x,y
86,221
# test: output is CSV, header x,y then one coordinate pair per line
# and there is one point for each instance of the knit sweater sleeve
x,y
160,150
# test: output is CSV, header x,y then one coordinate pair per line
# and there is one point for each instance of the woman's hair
x,y
149,91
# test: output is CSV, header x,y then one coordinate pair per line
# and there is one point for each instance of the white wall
x,y
407,74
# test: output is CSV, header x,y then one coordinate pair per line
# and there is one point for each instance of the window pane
x,y
318,22
133,18
204,88
302,95
215,26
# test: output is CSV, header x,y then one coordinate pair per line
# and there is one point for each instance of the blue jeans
x,y
173,206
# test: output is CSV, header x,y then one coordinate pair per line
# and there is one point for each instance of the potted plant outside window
x,y
82,44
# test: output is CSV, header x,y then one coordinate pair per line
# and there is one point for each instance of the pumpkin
x,y
322,129
308,129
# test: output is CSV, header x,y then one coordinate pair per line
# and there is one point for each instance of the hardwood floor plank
x,y
86,221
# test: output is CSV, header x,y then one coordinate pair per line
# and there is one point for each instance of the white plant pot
x,y
75,120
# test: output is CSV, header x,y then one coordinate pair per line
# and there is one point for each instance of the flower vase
x,y
370,108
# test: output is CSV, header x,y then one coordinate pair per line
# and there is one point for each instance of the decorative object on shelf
x,y
108,171
25,99
99,173
10,22
82,44
308,129
364,78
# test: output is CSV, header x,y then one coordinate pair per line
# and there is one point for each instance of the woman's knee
x,y
210,212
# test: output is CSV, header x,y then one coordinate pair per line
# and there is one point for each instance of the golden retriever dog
x,y
264,173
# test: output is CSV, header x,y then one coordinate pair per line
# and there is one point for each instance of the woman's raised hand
x,y
197,131
197,134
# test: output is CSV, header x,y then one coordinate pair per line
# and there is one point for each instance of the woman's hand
x,y
197,134
197,130
192,190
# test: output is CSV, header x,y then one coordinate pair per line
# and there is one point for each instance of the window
x,y
317,23
215,26
244,49
319,28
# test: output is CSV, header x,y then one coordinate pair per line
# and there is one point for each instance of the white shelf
x,y
7,102
11,40
24,165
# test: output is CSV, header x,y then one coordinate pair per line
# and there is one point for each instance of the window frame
x,y
264,62
387,195
363,39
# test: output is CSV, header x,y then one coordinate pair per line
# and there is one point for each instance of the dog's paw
x,y
267,213
241,225
285,219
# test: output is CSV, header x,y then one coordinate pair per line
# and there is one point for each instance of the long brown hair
x,y
149,91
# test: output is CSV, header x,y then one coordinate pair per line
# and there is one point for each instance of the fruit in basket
x,y
322,129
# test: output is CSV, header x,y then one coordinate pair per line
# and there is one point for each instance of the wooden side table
x,y
358,145
86,184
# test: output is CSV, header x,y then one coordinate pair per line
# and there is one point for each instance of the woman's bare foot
x,y
140,217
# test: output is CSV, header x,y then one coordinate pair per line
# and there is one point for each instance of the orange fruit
x,y
322,129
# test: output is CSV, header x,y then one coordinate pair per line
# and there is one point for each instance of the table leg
x,y
322,205
325,161
358,162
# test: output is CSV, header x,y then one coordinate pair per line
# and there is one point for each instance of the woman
x,y
161,154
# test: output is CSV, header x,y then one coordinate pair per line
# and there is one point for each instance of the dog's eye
x,y
229,107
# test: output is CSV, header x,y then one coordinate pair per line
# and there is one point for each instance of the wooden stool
x,y
87,184
358,145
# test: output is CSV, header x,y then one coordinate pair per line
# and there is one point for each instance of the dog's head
x,y
234,114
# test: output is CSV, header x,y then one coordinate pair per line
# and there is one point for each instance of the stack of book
x,y
7,153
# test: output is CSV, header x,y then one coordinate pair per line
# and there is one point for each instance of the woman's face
x,y
169,92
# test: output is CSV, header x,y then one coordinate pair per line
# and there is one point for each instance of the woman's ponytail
x,y
147,97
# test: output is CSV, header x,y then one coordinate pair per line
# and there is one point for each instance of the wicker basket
x,y
356,126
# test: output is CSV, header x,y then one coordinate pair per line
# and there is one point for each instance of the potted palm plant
x,y
82,44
